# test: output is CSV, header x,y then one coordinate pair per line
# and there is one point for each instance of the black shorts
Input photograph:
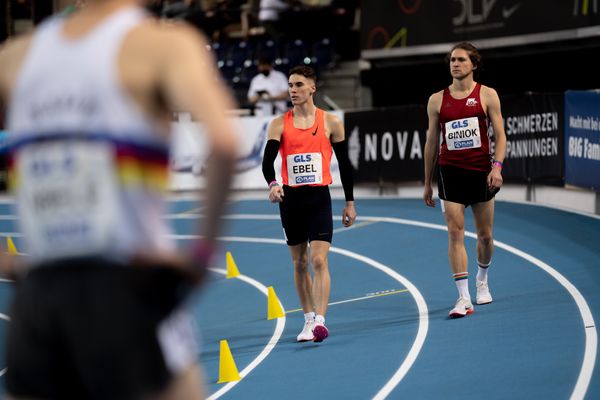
x,y
463,186
306,214
89,329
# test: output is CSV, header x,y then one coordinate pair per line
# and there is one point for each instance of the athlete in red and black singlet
x,y
458,111
467,174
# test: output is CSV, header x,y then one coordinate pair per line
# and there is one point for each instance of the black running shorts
x,y
88,329
463,186
306,214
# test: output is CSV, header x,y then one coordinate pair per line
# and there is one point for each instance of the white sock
x,y
310,316
482,271
319,319
462,284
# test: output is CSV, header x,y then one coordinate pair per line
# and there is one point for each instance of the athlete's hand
x,y
348,214
494,179
10,265
428,196
276,194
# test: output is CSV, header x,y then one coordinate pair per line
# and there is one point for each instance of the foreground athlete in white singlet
x,y
97,310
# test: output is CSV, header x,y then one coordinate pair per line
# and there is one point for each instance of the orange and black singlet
x,y
305,153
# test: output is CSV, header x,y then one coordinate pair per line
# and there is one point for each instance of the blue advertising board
x,y
582,139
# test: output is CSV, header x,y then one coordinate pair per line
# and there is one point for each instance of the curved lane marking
x,y
279,327
421,304
591,335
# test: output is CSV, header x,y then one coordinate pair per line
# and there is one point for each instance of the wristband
x,y
201,253
497,163
273,183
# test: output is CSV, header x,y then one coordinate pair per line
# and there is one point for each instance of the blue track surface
x,y
529,343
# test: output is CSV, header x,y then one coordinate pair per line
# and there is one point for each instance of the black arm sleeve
x,y
341,152
268,159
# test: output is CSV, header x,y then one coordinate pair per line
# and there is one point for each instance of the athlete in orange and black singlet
x,y
306,138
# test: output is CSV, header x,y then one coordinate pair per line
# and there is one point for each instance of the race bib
x,y
68,196
305,169
463,134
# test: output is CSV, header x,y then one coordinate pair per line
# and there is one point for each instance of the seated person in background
x,y
268,90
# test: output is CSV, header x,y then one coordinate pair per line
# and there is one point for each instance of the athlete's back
x,y
88,102
109,75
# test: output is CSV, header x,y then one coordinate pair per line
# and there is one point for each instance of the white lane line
x,y
417,345
354,226
369,296
279,327
591,342
591,334
419,300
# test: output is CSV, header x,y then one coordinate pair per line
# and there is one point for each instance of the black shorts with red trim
x,y
463,186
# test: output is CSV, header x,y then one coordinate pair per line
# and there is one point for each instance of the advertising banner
x,y
189,152
582,139
534,138
389,25
386,145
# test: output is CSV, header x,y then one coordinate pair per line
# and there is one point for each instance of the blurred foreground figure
x,y
97,310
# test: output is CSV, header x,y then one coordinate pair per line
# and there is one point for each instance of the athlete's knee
x,y
319,262
485,238
301,264
456,234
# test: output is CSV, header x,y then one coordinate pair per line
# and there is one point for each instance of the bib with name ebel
x,y
305,169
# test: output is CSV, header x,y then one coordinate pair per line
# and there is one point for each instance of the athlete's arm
x,y
340,146
270,154
492,102
252,93
431,145
190,81
12,53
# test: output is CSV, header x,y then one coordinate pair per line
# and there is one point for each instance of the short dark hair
x,y
305,71
470,49
265,61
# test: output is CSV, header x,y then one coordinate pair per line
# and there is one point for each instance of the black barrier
x,y
386,145
534,138
393,25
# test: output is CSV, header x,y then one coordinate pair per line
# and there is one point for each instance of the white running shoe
x,y
462,308
483,293
307,332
